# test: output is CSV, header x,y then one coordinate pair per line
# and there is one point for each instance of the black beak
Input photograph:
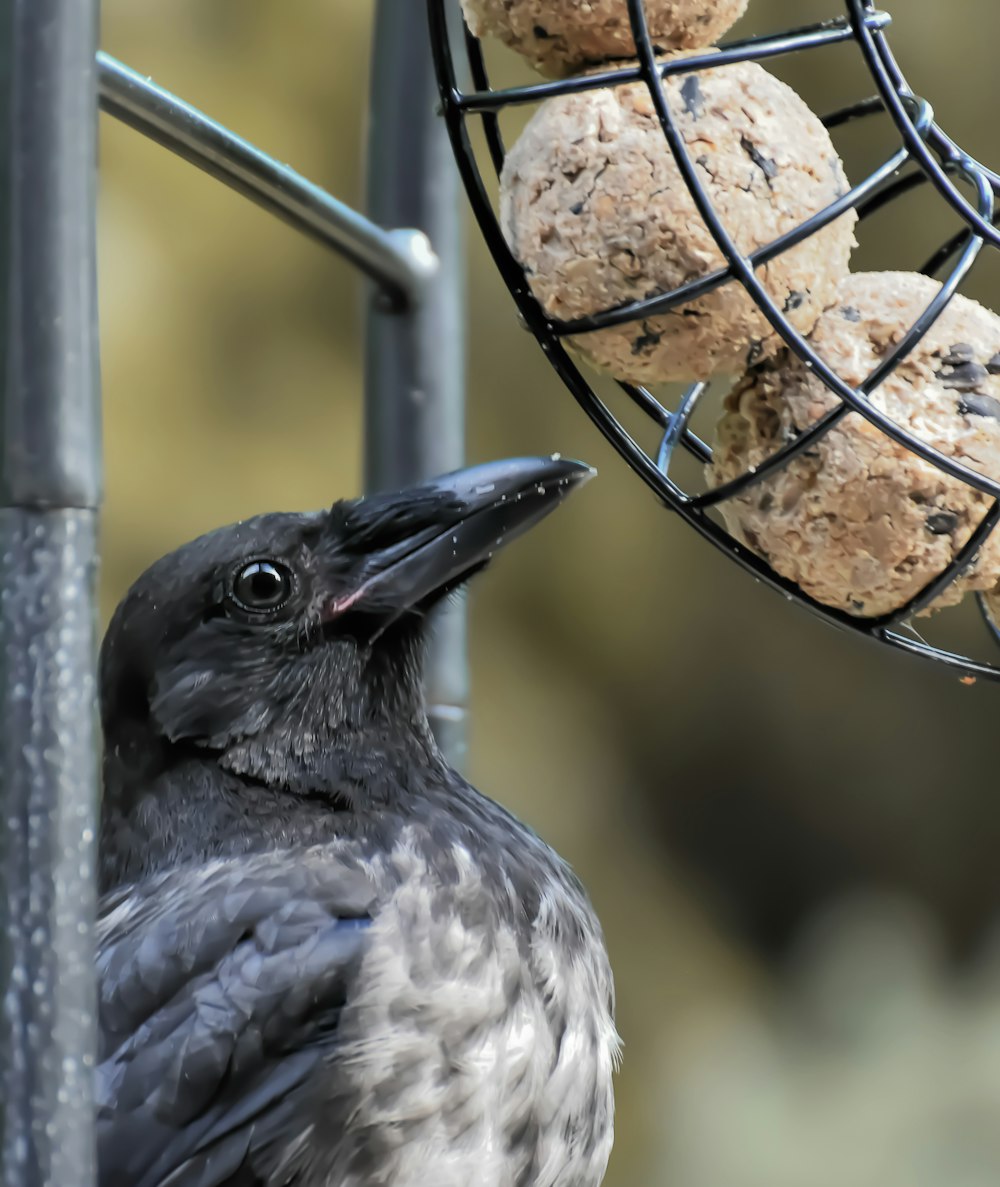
x,y
423,541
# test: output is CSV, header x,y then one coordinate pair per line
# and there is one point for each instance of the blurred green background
x,y
790,834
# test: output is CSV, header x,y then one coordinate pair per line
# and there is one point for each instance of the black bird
x,y
325,959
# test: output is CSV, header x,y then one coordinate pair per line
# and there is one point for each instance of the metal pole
x,y
49,493
415,360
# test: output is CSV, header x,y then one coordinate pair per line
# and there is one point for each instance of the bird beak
x,y
442,530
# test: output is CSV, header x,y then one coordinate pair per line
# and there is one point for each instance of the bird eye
x,y
262,586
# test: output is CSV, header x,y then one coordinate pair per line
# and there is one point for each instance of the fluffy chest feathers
x,y
479,1035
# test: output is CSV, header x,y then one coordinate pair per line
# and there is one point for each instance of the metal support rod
x,y
415,361
400,261
50,476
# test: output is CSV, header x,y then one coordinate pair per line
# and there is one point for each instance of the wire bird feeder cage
x,y
925,155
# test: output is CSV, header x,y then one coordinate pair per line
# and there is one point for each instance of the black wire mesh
x,y
925,156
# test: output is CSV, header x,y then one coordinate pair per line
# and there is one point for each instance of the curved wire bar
x,y
800,444
873,105
648,403
893,89
752,49
961,561
661,416
677,425
988,617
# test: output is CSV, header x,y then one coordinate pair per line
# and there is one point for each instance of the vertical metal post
x,y
415,356
49,492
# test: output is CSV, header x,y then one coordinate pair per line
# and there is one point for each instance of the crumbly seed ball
x,y
596,211
859,522
560,36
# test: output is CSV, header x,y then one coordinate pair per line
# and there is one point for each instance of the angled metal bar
x,y
401,262
50,485
415,362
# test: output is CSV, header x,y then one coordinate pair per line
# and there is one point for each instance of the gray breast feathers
x,y
480,1044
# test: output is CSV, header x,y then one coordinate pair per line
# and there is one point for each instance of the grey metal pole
x,y
415,360
49,491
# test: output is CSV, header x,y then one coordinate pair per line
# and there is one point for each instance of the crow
x,y
324,959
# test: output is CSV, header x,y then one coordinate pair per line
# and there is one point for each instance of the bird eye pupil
x,y
262,585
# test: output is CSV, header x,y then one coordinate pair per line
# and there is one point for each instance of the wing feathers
x,y
220,992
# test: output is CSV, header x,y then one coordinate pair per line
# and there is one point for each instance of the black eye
x,y
262,586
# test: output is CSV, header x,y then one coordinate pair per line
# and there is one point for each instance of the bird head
x,y
286,634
